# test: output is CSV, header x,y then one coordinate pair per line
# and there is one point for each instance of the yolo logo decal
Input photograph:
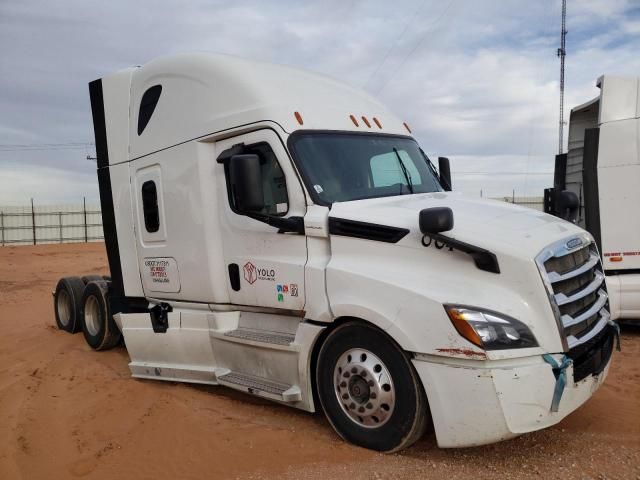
x,y
253,273
250,273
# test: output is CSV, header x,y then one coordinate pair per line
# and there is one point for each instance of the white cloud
x,y
478,81
19,184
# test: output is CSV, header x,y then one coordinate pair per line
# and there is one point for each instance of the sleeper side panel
x,y
115,197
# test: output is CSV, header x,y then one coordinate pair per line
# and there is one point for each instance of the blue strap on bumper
x,y
561,378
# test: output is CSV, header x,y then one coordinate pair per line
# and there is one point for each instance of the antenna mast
x,y
562,53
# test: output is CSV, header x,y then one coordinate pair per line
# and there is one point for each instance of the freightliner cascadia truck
x,y
277,232
602,171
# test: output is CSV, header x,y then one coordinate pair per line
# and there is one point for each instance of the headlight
x,y
490,330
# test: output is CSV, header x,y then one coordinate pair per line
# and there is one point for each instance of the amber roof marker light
x,y
377,122
298,117
366,122
406,126
353,119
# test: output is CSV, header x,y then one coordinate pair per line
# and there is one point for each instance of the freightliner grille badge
x,y
574,243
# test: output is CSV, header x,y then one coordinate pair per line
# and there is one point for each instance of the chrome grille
x,y
568,262
576,287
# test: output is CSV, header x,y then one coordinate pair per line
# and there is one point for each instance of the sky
x,y
477,80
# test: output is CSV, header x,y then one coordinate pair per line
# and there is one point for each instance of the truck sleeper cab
x,y
280,233
602,170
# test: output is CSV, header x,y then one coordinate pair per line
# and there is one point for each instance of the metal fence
x,y
537,203
38,224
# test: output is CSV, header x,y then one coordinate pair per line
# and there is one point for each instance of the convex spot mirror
x,y
245,176
444,168
435,220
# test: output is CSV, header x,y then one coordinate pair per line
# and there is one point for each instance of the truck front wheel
x,y
99,328
369,390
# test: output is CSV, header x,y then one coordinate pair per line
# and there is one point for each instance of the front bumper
x,y
479,402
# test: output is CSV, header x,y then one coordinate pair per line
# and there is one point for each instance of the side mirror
x,y
445,173
435,220
245,176
567,204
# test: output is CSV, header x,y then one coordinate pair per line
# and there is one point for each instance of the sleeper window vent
x,y
147,106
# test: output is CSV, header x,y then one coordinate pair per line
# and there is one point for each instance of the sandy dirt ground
x,y
67,412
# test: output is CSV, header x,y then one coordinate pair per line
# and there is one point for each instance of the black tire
x,y
92,278
67,304
407,418
99,328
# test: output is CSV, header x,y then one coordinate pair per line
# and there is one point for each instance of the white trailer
x,y
602,170
280,233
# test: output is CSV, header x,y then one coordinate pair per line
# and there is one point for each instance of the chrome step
x,y
261,386
261,336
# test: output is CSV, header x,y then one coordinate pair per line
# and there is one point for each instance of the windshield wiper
x,y
432,167
405,172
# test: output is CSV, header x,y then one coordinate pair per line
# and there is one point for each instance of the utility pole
x,y
562,53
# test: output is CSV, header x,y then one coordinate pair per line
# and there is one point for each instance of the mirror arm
x,y
284,225
484,259
225,156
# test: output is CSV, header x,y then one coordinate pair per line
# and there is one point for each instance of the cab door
x,y
265,268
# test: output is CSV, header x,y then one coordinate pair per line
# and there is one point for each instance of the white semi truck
x,y
280,233
602,171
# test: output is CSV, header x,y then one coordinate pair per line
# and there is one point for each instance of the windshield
x,y
339,167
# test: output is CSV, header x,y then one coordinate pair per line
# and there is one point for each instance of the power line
x,y
418,44
26,147
395,43
41,149
44,144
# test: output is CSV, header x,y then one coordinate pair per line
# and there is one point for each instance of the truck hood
x,y
494,225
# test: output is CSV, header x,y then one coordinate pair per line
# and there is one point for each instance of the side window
x,y
150,206
147,106
386,169
274,185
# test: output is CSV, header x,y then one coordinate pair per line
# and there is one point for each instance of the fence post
x,y
33,222
84,209
60,224
2,226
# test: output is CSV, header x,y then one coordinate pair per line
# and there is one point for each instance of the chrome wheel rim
x,y
364,388
63,304
92,315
